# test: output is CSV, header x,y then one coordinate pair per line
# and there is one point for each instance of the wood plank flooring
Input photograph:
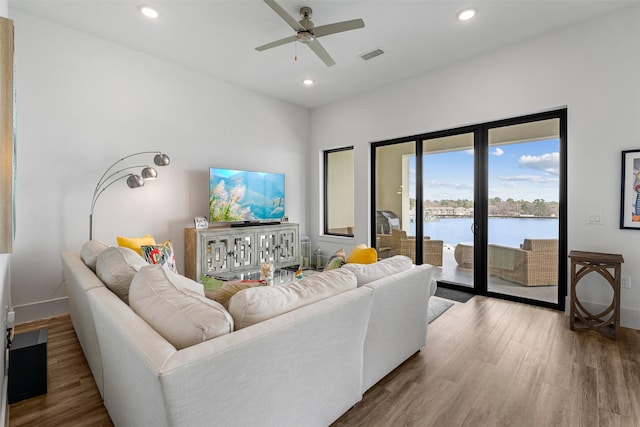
x,y
72,397
487,362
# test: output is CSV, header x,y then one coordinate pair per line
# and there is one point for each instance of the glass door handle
x,y
474,227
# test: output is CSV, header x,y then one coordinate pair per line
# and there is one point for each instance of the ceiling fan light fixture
x,y
305,36
466,14
148,11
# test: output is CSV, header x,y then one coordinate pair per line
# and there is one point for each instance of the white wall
x,y
592,68
84,103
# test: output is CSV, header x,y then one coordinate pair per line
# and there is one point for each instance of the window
x,y
339,192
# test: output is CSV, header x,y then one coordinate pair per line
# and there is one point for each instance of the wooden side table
x,y
608,266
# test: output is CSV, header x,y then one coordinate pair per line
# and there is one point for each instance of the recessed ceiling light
x,y
466,14
307,82
148,11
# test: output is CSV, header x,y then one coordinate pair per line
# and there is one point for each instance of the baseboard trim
x,y
41,310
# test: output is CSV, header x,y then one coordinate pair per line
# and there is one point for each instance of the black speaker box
x,y
28,365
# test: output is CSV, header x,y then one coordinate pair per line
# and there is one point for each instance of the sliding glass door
x,y
524,210
448,194
394,199
424,191
487,203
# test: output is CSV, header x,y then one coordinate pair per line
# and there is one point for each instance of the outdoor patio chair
x,y
535,263
400,244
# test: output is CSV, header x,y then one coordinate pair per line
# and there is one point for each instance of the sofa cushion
x,y
136,242
229,289
116,266
362,254
176,307
264,302
90,251
367,273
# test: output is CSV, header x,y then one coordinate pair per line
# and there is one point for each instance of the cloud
x,y
498,152
549,162
441,184
528,178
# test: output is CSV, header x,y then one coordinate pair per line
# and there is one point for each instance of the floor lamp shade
x,y
119,171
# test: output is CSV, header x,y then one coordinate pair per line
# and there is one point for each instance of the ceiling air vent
x,y
369,55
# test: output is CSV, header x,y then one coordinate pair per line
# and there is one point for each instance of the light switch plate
x,y
595,218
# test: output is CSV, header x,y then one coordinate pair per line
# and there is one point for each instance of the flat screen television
x,y
237,195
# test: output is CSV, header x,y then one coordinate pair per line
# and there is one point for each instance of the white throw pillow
x,y
172,305
254,305
116,266
90,251
367,273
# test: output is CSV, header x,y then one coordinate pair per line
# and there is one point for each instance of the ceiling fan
x,y
307,33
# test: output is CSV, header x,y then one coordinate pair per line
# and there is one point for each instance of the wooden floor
x,y
487,362
72,397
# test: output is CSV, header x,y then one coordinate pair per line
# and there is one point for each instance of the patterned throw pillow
x,y
336,260
161,254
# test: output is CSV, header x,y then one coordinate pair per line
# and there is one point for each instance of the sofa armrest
x,y
79,280
398,324
133,354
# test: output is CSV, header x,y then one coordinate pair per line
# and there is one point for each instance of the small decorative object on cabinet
x,y
213,251
305,252
318,259
608,266
266,272
200,222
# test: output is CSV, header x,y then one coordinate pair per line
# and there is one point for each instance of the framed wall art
x,y
7,137
630,190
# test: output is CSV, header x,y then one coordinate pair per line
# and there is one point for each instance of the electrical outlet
x,y
626,282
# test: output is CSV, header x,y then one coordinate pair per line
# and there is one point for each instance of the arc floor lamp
x,y
133,180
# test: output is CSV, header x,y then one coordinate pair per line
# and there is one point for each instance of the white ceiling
x,y
218,37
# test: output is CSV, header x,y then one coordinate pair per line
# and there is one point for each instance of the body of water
x,y
502,231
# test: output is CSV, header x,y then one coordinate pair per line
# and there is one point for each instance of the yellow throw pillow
x,y
362,254
135,243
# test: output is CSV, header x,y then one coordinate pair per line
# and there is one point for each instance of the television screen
x,y
236,195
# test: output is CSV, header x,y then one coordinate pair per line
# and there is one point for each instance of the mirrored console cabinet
x,y
215,251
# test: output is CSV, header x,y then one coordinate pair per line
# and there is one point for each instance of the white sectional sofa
x,y
304,367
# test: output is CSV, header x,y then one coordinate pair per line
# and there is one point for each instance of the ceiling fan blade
x,y
277,43
338,27
284,15
317,48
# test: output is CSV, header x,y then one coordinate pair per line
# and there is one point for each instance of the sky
x,y
526,171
